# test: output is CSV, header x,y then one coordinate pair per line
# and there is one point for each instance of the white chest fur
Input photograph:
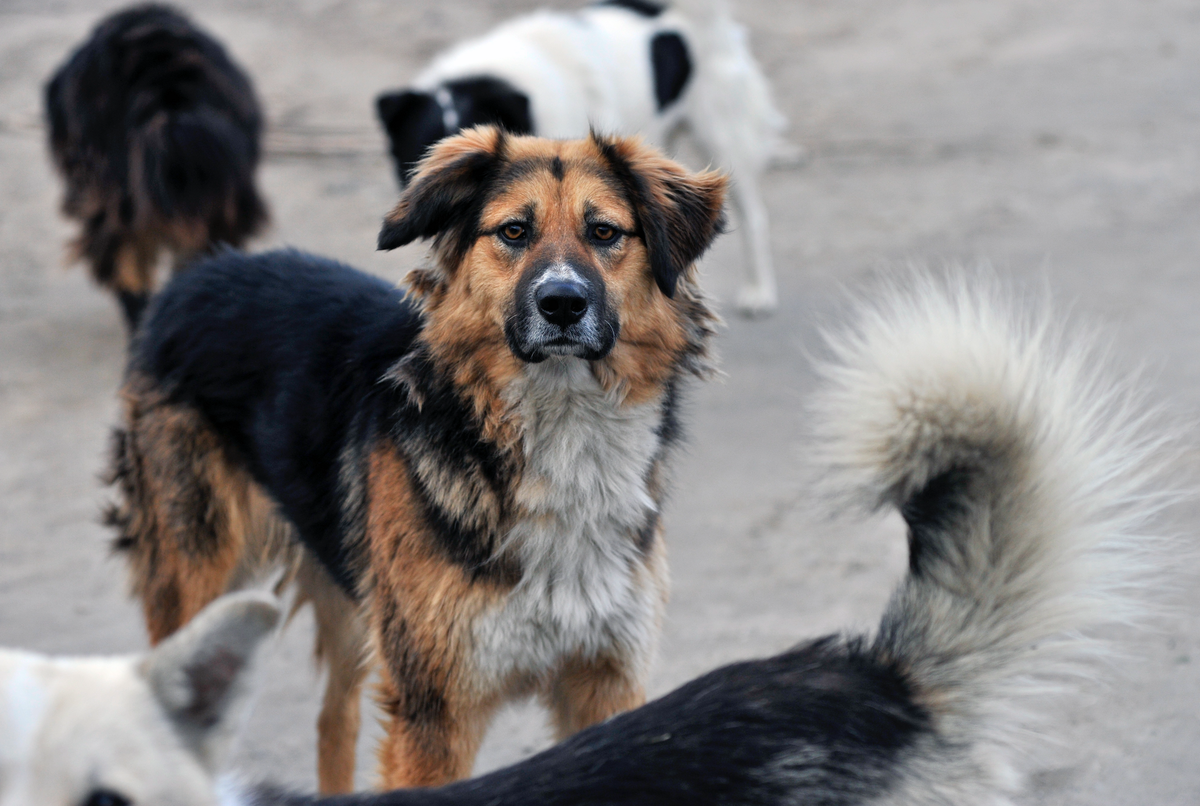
x,y
584,588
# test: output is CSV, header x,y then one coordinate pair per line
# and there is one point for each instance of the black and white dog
x,y
621,66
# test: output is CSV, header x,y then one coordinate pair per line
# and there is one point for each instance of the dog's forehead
x,y
557,178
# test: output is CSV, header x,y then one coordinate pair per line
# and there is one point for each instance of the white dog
x,y
1027,482
152,729
623,66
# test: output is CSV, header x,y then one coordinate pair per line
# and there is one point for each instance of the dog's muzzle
x,y
561,310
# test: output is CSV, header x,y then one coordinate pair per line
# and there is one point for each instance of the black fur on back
x,y
283,353
153,126
414,120
827,723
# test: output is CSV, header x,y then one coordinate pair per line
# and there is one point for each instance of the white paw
x,y
755,301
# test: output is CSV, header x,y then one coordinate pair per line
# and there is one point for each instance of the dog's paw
x,y
755,301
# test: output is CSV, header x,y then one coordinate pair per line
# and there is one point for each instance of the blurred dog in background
x,y
156,132
1028,482
622,66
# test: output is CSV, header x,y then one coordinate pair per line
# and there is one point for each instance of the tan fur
x,y
135,266
589,691
420,605
342,646
187,509
180,489
421,609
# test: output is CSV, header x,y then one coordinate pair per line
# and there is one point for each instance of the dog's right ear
x,y
200,675
447,193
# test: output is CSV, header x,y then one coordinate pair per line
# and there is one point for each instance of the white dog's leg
x,y
758,295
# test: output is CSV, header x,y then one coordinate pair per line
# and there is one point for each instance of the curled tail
x,y
1028,482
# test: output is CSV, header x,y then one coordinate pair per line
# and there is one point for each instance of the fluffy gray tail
x,y
1028,481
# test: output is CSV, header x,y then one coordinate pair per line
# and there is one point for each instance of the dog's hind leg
x,y
119,260
184,510
342,647
758,294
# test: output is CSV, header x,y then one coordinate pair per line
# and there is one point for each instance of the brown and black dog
x,y
467,476
156,132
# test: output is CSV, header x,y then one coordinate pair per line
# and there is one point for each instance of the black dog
x,y
156,132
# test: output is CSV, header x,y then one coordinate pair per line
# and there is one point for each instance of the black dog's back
x,y
157,133
827,723
282,353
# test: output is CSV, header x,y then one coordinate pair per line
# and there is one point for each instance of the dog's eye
x,y
603,232
105,797
513,232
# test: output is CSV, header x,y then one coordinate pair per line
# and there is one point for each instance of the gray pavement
x,y
1055,142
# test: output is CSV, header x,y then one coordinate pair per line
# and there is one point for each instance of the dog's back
x,y
156,132
281,351
593,67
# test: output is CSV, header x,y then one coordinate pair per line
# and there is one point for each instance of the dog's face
x,y
129,730
559,248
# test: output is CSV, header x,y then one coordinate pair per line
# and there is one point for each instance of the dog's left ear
x,y
445,196
200,674
679,212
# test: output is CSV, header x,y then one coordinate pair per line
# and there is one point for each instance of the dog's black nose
x,y
562,302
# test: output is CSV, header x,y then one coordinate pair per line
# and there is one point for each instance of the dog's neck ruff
x,y
582,498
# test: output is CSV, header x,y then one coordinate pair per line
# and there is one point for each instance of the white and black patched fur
x,y
623,66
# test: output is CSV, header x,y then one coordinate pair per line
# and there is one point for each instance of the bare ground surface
x,y
1056,142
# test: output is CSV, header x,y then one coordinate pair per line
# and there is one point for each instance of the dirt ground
x,y
1055,142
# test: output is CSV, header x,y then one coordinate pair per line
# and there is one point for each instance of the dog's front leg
x,y
589,691
758,294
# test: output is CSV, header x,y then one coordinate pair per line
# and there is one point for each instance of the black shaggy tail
x,y
198,166
1027,482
